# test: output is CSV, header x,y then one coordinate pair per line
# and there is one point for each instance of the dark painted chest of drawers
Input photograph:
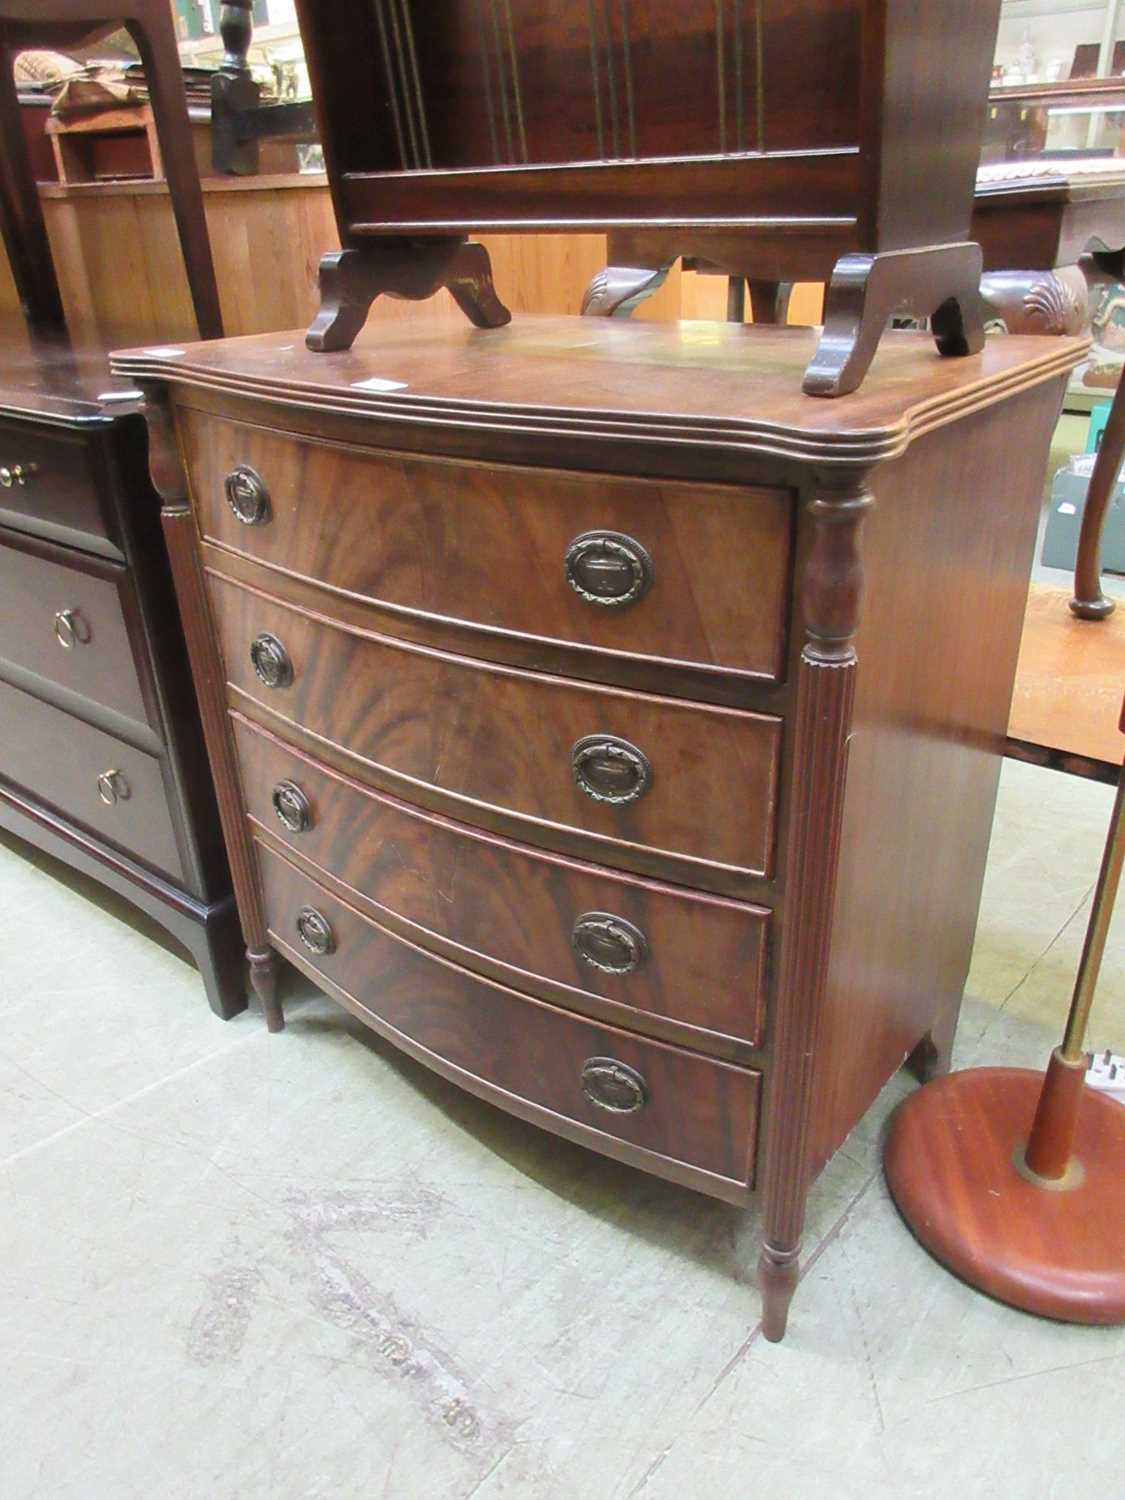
x,y
549,732
101,752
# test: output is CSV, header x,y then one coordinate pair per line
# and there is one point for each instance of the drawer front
x,y
653,948
48,485
59,760
689,1109
511,740
669,571
68,623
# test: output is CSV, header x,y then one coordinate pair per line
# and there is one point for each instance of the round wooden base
x,y
954,1165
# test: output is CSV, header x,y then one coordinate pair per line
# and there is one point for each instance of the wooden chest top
x,y
695,386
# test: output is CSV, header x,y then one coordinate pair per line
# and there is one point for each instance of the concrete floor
x,y
237,1266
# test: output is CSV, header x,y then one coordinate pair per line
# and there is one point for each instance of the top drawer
x,y
48,485
671,572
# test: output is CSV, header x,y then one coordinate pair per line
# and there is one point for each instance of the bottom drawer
x,y
59,760
559,1070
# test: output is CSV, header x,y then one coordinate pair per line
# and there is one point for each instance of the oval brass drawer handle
x,y
608,568
609,943
113,788
16,474
292,807
247,495
315,931
613,1086
610,769
71,629
270,661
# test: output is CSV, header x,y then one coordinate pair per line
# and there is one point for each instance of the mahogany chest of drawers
x,y
609,725
101,751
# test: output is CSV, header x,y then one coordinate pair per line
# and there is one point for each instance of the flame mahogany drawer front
x,y
95,779
68,622
691,573
695,960
637,776
48,485
533,1058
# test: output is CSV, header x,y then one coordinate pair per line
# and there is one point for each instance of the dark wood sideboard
x,y
607,723
101,752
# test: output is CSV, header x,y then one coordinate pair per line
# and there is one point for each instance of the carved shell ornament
x,y
1053,303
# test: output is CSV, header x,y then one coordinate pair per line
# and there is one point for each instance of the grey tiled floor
x,y
235,1265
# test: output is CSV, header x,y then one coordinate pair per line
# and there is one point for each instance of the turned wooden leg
x,y
1089,603
617,290
778,1274
939,282
263,976
351,279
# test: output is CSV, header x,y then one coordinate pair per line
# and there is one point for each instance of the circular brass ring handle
x,y
16,474
610,769
613,1086
247,495
315,931
292,807
270,661
609,943
112,787
70,629
608,568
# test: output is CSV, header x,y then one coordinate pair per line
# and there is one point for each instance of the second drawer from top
x,y
72,620
681,790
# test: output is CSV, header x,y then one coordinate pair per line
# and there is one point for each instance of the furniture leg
x,y
939,282
736,299
217,948
933,1056
768,301
1089,603
156,41
616,290
263,976
351,279
830,597
470,284
21,215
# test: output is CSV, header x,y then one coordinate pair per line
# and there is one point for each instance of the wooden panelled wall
x,y
123,281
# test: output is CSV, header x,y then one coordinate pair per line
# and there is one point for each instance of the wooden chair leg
x,y
21,216
151,28
1089,603
940,282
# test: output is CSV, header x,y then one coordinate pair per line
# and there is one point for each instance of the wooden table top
x,y
1069,681
56,381
702,383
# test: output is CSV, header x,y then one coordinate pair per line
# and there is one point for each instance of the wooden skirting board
x,y
1068,688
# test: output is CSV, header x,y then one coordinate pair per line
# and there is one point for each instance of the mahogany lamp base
x,y
954,1165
